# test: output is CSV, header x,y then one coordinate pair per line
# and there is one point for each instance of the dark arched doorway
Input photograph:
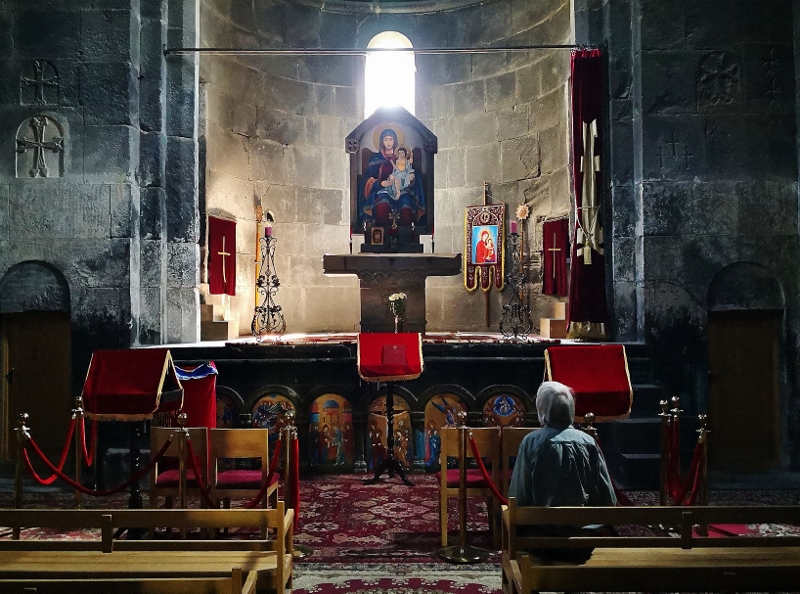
x,y
745,304
35,334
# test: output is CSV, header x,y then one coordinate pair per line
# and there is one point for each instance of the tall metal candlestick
x,y
516,319
268,317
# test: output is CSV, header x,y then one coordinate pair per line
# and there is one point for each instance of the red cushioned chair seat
x,y
474,478
241,479
170,478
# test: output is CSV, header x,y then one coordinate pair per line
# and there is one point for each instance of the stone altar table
x,y
380,275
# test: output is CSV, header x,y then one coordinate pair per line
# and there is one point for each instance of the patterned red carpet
x,y
370,539
346,520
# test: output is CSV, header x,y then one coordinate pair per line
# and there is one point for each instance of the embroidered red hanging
x,y
555,243
587,289
222,256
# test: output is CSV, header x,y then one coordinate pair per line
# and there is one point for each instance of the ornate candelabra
x,y
516,320
268,317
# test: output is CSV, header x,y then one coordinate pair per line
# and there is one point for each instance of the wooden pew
x,y
688,562
154,566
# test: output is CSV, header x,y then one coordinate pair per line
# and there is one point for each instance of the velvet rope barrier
x,y
622,497
273,466
485,473
62,460
87,457
86,490
204,494
692,479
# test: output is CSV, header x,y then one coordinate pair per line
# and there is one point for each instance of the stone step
x,y
552,328
638,471
646,399
219,329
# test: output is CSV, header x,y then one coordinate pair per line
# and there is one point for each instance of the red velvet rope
x,y
86,490
61,461
693,479
273,466
198,476
622,498
497,494
88,458
676,488
295,459
264,485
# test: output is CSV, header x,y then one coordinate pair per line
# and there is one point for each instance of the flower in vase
x,y
397,304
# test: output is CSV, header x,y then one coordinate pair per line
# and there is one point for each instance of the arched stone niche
x,y
40,147
33,286
745,286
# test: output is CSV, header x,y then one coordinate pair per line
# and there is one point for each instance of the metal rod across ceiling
x,y
237,51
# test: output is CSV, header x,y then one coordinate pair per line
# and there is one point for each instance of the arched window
x,y
389,76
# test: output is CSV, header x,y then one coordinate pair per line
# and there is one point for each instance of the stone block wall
x,y
275,129
703,169
84,185
68,76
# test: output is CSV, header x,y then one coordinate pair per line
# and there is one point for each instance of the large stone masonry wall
x,y
275,129
703,171
73,67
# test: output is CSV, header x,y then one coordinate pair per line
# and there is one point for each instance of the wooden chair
x,y
510,440
488,441
241,444
165,475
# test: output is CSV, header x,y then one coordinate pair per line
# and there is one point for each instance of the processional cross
x,y
38,144
590,207
39,81
223,253
554,249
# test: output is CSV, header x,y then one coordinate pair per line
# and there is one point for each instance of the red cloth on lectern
x,y
387,356
222,256
555,242
131,385
199,396
598,374
587,285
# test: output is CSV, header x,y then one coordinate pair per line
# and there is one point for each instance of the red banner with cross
x,y
221,256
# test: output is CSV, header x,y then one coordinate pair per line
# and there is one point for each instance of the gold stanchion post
x,y
183,435
703,439
77,414
665,424
290,436
462,553
23,434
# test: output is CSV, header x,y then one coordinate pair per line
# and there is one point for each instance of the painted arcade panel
x,y
227,411
330,434
440,411
503,410
269,412
377,424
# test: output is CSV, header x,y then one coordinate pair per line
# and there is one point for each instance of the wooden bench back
x,y
681,519
107,521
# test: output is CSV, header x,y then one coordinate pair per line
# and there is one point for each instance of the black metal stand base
x,y
390,464
463,554
393,466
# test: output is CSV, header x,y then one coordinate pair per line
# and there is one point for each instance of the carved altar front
x,y
380,275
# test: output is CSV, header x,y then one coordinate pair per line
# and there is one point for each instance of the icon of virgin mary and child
x,y
389,185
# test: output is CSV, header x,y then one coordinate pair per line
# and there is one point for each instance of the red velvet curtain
x,y
555,241
587,292
222,256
